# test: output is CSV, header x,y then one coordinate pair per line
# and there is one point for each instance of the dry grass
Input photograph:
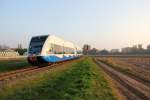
x,y
114,87
127,67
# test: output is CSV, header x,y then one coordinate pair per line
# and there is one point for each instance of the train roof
x,y
67,43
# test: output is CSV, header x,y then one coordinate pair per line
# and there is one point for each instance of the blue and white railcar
x,y
51,49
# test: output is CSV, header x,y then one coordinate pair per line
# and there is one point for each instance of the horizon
x,y
100,23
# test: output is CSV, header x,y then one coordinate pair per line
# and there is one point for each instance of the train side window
x,y
51,48
58,49
68,50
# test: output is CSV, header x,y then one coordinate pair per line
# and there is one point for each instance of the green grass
x,y
80,80
8,65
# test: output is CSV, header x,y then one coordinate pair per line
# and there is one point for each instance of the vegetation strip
x,y
10,65
81,80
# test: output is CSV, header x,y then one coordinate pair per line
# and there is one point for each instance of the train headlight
x,y
32,58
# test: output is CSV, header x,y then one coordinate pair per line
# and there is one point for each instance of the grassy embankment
x,y
78,80
125,68
8,65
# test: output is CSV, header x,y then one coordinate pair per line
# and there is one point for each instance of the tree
x,y
93,51
104,52
21,51
86,49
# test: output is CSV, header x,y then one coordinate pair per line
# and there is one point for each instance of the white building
x,y
114,51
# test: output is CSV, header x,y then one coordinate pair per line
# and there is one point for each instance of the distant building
x,y
86,49
8,53
126,50
9,50
148,47
140,46
134,49
114,51
14,49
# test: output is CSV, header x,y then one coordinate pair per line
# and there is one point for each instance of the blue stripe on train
x,y
56,59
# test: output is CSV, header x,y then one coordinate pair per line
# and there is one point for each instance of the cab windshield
x,y
36,45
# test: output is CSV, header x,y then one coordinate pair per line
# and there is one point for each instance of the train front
x,y
35,49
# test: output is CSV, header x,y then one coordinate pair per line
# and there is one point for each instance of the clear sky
x,y
100,23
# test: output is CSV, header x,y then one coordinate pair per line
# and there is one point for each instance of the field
x,y
81,79
130,74
138,67
13,64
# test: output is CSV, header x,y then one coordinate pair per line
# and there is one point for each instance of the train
x,y
49,49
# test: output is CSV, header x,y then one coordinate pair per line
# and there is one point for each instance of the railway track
x,y
9,77
16,71
129,87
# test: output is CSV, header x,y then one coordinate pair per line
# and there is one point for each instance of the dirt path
x,y
129,87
